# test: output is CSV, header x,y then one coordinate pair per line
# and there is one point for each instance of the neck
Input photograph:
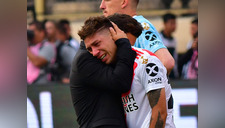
x,y
39,41
167,33
130,11
52,40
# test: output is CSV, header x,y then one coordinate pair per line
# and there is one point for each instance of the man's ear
x,y
124,3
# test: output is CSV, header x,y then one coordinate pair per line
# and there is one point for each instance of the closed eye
x,y
89,49
96,44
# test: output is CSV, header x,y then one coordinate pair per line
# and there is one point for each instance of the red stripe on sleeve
x,y
149,52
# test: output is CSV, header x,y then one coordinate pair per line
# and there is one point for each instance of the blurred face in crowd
x,y
61,36
194,29
110,7
195,43
68,29
50,29
38,34
102,46
170,25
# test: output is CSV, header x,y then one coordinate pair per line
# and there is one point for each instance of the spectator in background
x,y
189,61
40,54
150,38
65,54
72,41
167,3
169,41
50,29
31,7
194,30
185,3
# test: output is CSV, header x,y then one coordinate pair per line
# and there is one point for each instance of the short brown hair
x,y
125,22
92,25
61,28
39,25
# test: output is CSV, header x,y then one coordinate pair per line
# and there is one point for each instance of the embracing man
x,y
149,102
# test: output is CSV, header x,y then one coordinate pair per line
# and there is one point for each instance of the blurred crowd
x,y
186,64
51,49
188,61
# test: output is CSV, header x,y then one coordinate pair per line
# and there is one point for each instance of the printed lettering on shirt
x,y
152,70
129,103
145,25
154,43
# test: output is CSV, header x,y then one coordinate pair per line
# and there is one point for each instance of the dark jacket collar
x,y
82,45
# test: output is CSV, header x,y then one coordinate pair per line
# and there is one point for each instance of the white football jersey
x,y
149,74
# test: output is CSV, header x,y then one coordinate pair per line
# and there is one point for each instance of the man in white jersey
x,y
149,38
149,103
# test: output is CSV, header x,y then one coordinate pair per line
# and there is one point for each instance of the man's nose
x,y
95,51
102,5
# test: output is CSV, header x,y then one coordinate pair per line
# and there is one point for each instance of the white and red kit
x,y
149,74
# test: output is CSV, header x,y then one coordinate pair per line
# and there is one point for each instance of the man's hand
x,y
116,32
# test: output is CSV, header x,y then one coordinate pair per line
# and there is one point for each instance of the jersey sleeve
x,y
153,74
149,38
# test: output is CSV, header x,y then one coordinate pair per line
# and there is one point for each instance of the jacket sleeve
x,y
116,77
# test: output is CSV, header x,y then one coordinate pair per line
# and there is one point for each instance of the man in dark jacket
x,y
96,87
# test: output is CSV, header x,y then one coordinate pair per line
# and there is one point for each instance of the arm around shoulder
x,y
116,78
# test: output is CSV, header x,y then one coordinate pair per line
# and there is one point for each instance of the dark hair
x,y
39,25
61,28
92,25
168,16
195,21
127,24
64,21
44,22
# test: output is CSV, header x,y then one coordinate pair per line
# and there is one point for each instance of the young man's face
x,y
38,35
102,46
50,29
170,25
194,29
61,36
110,7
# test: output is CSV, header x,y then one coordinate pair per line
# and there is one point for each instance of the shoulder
x,y
146,24
83,57
47,45
140,18
74,43
143,52
144,56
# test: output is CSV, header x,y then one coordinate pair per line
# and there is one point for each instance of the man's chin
x,y
107,62
105,14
